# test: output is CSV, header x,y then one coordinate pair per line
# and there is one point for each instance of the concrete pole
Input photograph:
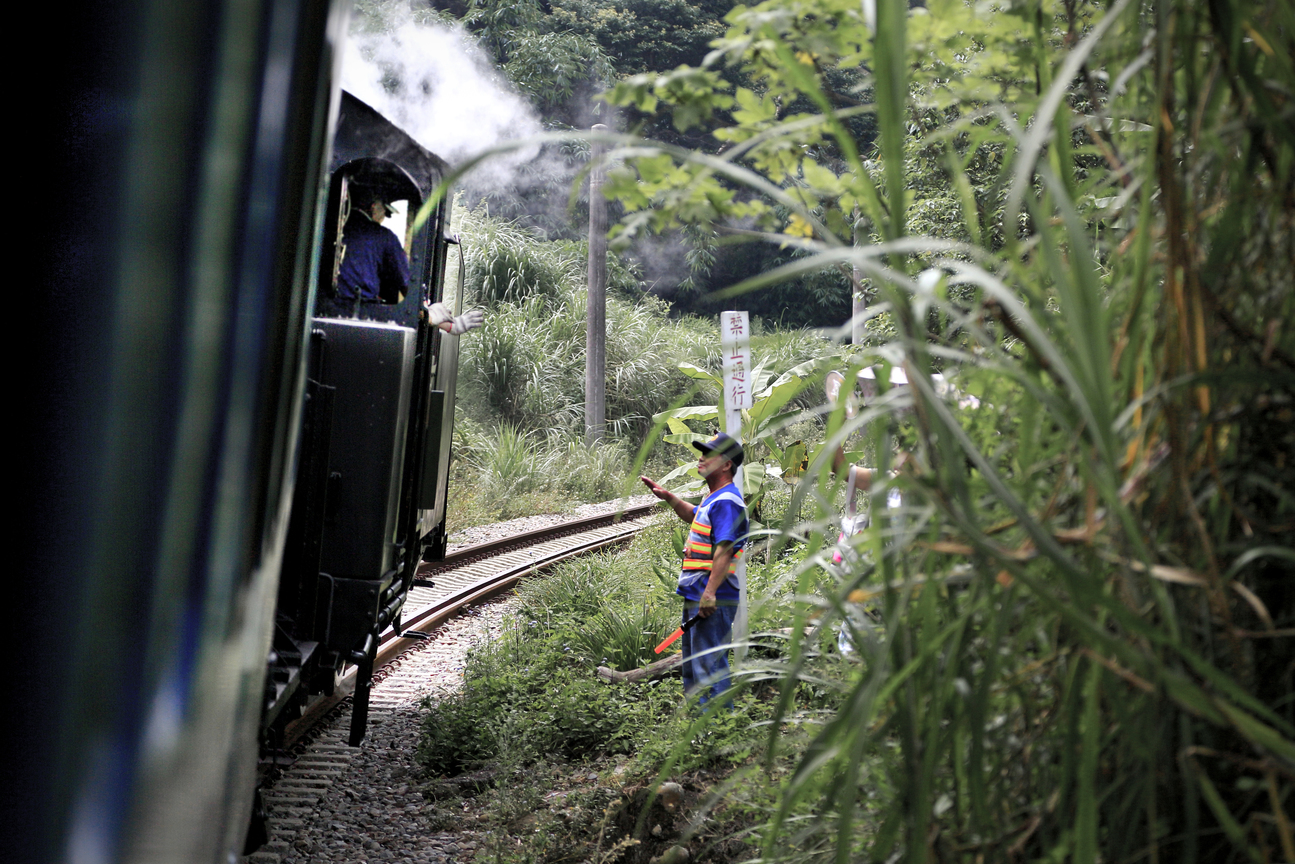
x,y
742,620
857,304
596,308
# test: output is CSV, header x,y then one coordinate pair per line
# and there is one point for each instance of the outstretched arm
x,y
682,508
438,314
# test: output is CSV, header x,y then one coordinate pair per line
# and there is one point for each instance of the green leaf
x,y
677,426
765,409
698,373
691,412
686,469
794,462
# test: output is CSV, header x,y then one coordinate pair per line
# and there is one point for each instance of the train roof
x,y
364,134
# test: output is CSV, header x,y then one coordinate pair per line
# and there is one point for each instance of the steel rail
x,y
617,529
536,535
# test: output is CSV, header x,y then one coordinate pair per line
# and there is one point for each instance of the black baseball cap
x,y
723,444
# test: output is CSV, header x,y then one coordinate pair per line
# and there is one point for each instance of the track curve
x,y
471,575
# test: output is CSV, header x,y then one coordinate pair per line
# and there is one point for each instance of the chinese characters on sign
x,y
735,346
735,341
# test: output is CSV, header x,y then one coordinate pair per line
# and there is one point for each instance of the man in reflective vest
x,y
707,581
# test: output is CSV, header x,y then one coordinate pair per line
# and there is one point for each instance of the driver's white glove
x,y
470,320
439,313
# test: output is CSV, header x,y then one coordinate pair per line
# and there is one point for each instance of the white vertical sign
x,y
735,344
735,340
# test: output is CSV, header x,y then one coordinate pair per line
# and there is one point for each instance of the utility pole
x,y
857,304
596,308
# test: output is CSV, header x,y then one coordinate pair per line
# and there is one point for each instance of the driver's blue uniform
x,y
374,266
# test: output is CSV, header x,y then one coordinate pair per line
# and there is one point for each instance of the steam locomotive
x,y
379,410
228,474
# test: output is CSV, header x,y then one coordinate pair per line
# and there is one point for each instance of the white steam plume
x,y
436,84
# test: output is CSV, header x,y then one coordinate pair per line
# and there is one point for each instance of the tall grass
x,y
503,473
1075,634
511,463
526,364
611,609
1086,610
506,263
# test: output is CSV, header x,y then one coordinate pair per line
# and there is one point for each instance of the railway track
x,y
469,576
334,801
314,751
483,570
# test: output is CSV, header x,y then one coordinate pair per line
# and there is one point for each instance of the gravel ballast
x,y
513,527
359,805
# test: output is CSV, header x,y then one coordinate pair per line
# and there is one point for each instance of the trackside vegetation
x,y
1073,639
1085,642
519,446
568,766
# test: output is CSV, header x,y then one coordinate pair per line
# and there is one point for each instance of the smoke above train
x,y
435,83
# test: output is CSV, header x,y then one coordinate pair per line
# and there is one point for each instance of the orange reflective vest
x,y
699,550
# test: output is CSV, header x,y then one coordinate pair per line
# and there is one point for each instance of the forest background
x,y
1075,637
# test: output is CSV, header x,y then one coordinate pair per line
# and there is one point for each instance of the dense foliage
x,y
1072,638
534,720
561,56
518,441
1084,649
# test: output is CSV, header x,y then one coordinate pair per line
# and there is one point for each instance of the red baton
x,y
670,640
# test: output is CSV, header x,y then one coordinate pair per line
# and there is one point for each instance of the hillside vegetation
x,y
1083,213
520,421
1072,641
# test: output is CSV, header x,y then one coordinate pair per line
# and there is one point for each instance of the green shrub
x,y
596,473
511,463
574,589
612,608
507,263
624,638
509,473
528,696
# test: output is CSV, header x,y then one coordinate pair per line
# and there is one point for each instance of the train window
x,y
371,249
399,224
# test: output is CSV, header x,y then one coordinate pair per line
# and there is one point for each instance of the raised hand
x,y
438,314
470,320
654,487
681,508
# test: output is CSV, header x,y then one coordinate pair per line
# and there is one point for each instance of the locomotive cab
x,y
371,491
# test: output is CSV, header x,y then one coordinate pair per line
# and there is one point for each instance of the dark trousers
x,y
705,650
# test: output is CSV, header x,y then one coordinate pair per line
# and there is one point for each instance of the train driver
x,y
374,267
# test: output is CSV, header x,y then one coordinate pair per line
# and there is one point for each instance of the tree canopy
x,y
1084,214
